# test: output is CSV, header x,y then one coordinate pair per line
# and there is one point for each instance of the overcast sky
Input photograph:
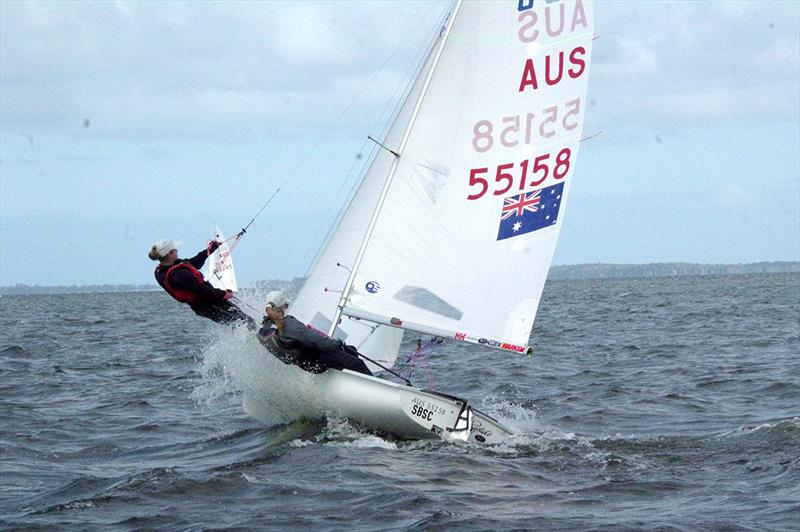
x,y
125,122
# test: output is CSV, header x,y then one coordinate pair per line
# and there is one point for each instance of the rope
x,y
419,354
222,259
411,73
245,303
330,128
365,357
236,236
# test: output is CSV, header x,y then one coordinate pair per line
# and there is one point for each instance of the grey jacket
x,y
296,335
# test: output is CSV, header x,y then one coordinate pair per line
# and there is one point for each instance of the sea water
x,y
663,403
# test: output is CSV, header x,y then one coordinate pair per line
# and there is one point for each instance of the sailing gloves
x,y
228,295
212,246
349,349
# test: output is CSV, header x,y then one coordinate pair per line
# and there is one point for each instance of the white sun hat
x,y
163,247
277,298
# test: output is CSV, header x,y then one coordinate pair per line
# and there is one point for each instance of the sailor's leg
x,y
234,313
343,360
225,314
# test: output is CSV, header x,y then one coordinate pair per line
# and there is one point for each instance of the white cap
x,y
163,247
277,298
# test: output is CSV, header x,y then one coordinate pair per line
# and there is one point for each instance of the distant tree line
x,y
666,269
18,289
578,271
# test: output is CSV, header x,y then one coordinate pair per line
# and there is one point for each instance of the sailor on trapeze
x,y
292,342
181,278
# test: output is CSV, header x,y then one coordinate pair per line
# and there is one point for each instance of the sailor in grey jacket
x,y
293,342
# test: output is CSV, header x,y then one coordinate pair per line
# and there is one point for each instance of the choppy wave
x,y
13,351
665,404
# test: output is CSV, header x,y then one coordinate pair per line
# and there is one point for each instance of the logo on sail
x,y
531,211
372,287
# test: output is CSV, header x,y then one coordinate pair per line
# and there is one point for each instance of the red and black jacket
x,y
184,282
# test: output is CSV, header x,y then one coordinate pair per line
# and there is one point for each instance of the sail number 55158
x,y
522,129
505,175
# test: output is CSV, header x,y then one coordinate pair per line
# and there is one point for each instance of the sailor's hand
x,y
212,246
228,295
349,349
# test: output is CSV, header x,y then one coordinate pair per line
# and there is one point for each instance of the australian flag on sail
x,y
530,211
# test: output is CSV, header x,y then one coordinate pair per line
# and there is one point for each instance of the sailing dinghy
x,y
453,227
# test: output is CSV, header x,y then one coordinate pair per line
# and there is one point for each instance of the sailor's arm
x,y
198,260
296,330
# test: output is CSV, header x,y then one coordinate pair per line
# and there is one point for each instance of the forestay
x,y
317,300
219,265
462,244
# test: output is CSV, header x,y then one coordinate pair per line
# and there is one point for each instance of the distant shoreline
x,y
667,269
567,272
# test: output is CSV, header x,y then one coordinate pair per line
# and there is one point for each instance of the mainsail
x,y
219,265
462,226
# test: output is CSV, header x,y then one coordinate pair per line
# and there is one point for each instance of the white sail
x,y
463,242
219,265
453,227
318,298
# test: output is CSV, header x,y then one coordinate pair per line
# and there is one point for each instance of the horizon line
x,y
585,264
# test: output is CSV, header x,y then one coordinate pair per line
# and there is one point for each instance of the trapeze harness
x,y
181,294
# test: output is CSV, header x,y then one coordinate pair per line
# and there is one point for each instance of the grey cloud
x,y
149,66
696,60
222,71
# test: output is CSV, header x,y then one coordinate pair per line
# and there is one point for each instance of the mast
x,y
351,278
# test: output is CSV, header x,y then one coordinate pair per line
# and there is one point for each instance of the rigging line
x,y
428,374
590,137
383,146
419,356
411,74
414,357
320,227
245,303
416,67
237,235
437,51
223,260
221,265
373,328
365,357
335,122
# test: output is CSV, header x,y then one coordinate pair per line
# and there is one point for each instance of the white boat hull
x,y
404,411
